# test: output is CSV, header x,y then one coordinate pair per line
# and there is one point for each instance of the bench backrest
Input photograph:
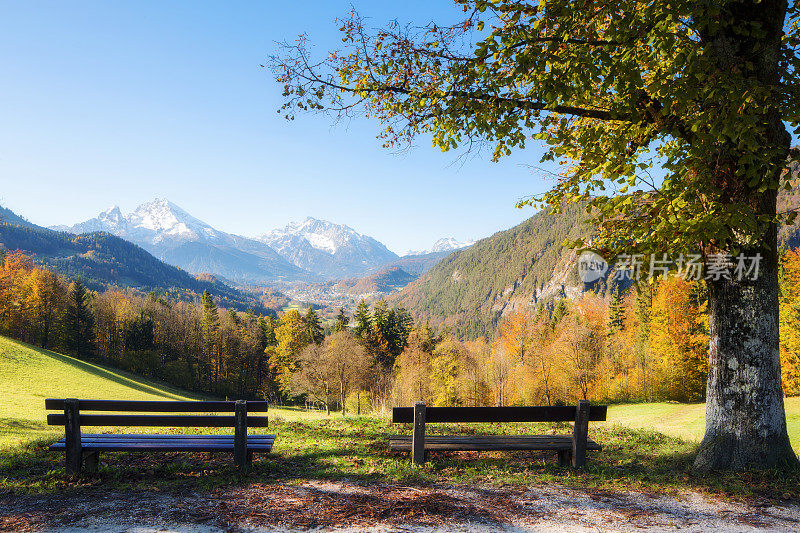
x,y
557,413
161,420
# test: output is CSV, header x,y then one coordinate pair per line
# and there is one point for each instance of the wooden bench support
x,y
564,457
580,434
72,436
91,461
240,455
418,437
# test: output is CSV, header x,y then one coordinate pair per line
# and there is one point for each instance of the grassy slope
x,y
28,375
687,420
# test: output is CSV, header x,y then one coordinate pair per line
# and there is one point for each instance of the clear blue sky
x,y
114,102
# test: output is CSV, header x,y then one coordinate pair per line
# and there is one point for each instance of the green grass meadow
x,y
646,446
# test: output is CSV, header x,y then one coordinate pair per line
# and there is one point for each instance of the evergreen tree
x,y
341,321
210,338
363,321
616,315
400,324
79,321
314,326
380,342
266,326
558,312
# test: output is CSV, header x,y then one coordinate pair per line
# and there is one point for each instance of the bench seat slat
x,y
164,446
492,442
167,436
262,443
169,406
124,438
159,420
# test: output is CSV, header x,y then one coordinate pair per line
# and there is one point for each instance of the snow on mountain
x,y
320,234
302,250
156,222
111,221
168,222
328,249
445,244
448,244
176,237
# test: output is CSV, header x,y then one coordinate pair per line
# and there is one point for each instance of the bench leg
x,y
240,438
418,436
91,461
580,434
73,462
72,441
249,460
564,457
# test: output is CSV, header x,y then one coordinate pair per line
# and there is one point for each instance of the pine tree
x,y
79,321
616,316
558,312
363,321
210,339
314,326
400,324
267,331
341,321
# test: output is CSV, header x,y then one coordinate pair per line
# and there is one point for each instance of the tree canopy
x,y
613,88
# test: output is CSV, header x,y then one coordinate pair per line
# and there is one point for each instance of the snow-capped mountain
x,y
111,221
445,244
156,222
328,249
178,238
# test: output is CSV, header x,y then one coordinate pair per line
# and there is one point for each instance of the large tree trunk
x,y
745,418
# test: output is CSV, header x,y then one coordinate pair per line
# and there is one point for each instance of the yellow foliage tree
x,y
790,323
292,336
679,339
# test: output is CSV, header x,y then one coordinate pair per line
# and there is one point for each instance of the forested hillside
x,y
7,216
471,289
103,261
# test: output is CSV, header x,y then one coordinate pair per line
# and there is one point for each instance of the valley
x,y
314,261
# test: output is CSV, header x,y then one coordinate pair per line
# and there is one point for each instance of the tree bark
x,y
745,417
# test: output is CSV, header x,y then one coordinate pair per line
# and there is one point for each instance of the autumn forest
x,y
647,343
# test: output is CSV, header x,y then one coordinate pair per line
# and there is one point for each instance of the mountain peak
x,y
332,250
445,244
320,234
169,221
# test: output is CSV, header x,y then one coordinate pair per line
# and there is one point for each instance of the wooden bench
x,y
572,446
85,448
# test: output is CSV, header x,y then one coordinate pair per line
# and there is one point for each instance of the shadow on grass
x,y
356,450
20,424
115,376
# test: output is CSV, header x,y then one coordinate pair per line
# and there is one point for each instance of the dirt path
x,y
347,507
